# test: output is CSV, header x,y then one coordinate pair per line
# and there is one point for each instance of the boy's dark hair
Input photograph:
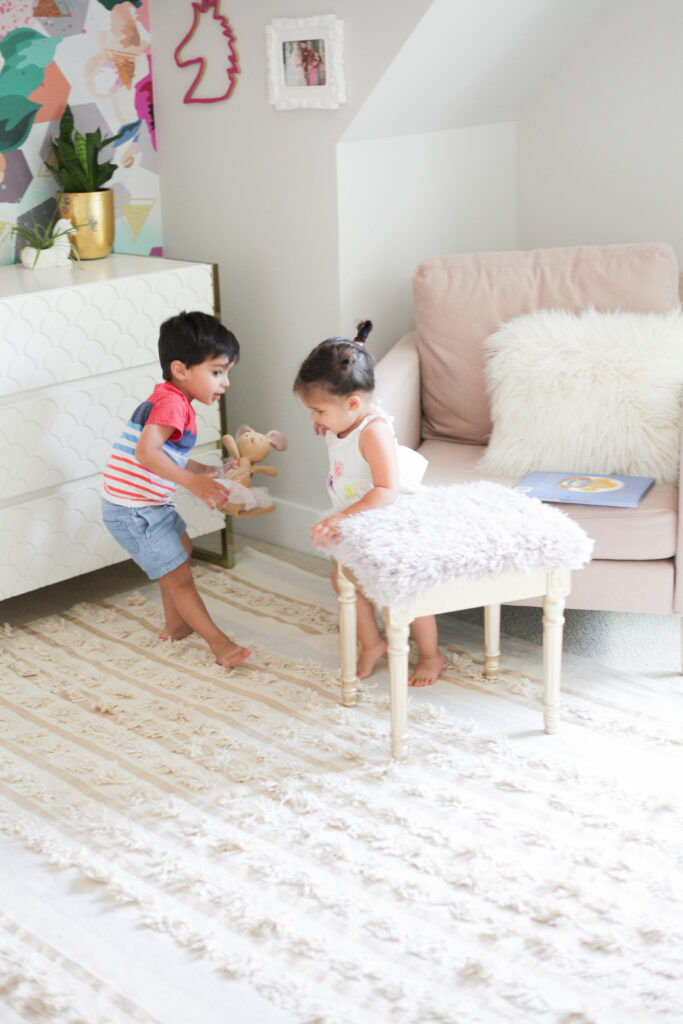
x,y
192,338
339,365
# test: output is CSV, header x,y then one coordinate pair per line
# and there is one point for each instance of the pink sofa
x,y
432,383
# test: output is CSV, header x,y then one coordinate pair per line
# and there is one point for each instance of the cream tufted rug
x,y
181,844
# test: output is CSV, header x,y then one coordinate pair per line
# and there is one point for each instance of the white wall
x,y
404,199
317,218
255,189
601,146
472,62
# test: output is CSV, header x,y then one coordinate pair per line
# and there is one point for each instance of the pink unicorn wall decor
x,y
213,49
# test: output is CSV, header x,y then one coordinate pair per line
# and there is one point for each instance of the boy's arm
x,y
200,467
149,454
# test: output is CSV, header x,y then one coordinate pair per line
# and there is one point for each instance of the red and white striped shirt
x,y
126,481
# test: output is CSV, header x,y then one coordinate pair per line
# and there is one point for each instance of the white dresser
x,y
78,352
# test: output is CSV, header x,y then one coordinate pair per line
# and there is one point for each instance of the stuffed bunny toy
x,y
248,448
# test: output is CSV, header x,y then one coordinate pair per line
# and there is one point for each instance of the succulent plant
x,y
43,236
77,156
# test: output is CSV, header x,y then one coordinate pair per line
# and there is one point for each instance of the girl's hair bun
x,y
363,330
338,365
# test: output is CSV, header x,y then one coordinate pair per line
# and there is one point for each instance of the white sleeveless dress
x,y
350,478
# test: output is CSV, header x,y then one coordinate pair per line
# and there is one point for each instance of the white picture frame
x,y
306,62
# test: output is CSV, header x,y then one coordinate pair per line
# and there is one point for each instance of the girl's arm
x,y
149,454
378,448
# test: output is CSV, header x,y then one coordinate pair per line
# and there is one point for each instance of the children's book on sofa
x,y
586,488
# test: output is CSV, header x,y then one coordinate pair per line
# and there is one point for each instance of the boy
x,y
152,455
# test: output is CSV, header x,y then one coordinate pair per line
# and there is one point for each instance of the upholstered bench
x,y
448,548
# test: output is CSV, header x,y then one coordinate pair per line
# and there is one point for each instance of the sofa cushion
x,y
460,300
644,533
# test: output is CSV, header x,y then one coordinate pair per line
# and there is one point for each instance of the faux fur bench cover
x,y
472,530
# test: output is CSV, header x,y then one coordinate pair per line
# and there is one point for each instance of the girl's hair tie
x,y
363,330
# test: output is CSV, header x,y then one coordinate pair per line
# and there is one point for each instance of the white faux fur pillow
x,y
593,393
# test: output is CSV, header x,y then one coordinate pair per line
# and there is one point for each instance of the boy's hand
x,y
209,490
326,530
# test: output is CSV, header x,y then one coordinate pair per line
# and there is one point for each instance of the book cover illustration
x,y
586,488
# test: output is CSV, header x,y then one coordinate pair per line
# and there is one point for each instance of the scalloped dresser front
x,y
78,348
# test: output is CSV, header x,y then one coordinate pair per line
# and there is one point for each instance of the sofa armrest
x,y
397,378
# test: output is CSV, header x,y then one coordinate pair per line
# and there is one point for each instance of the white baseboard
x,y
288,526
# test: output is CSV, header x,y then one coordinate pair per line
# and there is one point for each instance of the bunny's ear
x,y
230,445
277,440
244,429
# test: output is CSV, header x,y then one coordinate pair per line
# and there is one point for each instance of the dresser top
x,y
17,280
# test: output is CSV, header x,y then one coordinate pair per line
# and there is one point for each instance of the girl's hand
x,y
326,530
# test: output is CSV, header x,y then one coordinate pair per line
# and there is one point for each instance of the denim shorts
x,y
150,534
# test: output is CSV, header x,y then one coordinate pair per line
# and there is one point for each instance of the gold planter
x,y
92,213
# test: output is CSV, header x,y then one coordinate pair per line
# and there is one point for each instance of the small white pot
x,y
58,255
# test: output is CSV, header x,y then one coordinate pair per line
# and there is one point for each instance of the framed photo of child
x,y
305,62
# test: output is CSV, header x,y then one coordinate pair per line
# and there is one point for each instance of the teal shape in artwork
x,y
111,4
23,48
16,121
26,54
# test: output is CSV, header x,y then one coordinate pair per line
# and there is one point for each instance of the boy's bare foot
x,y
427,671
179,633
368,658
229,654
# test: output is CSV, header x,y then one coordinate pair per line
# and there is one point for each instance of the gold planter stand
x,y
92,214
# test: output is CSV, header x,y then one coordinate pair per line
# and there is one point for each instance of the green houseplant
x,y
83,199
78,167
46,244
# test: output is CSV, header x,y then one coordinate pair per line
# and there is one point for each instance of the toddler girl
x,y
337,382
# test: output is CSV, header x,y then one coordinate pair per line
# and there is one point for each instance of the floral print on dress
x,y
352,491
337,471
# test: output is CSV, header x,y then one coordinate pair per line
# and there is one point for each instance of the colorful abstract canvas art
x,y
96,56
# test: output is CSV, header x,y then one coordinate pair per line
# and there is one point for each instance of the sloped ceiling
x,y
472,62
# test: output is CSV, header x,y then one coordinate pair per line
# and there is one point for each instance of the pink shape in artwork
x,y
144,102
215,21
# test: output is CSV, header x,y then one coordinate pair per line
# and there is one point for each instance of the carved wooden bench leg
x,y
346,592
553,620
397,651
489,593
491,640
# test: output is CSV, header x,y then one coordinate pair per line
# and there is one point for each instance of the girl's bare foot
x,y
427,671
229,654
368,658
179,633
